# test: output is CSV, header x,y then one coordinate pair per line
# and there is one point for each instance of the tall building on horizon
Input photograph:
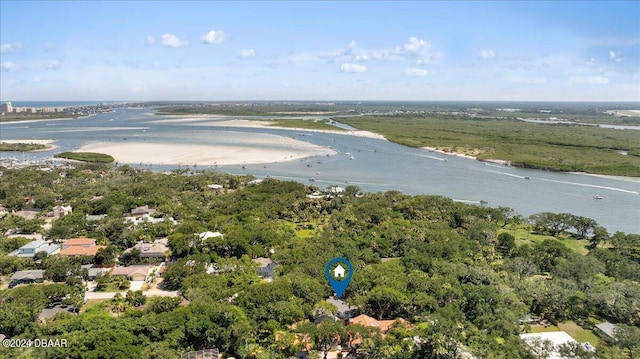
x,y
6,107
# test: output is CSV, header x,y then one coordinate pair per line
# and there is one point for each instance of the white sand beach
x,y
265,124
285,149
433,149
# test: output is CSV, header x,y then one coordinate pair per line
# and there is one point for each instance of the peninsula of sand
x,y
264,148
235,148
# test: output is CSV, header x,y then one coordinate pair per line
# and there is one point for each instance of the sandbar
x,y
285,149
266,124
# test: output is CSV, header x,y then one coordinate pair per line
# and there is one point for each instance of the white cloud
x,y
487,54
415,46
415,71
614,57
151,40
213,37
527,80
172,41
247,53
9,66
590,80
353,68
53,65
9,48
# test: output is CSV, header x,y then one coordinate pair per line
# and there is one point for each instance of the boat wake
x,y
591,186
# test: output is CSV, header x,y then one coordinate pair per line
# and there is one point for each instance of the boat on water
x,y
527,177
597,197
312,179
482,201
352,158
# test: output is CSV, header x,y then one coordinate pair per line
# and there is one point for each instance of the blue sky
x,y
560,51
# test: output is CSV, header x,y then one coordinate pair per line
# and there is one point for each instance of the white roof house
x,y
607,328
556,338
209,234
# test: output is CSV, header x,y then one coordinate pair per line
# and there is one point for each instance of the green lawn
x,y
574,330
523,236
578,333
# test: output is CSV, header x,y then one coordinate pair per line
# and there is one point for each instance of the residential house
x,y
557,339
95,217
215,186
133,273
607,329
266,266
80,247
344,310
49,313
26,277
60,211
30,249
92,273
382,325
141,211
144,214
157,249
208,234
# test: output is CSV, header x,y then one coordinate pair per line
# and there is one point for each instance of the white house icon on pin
x,y
338,272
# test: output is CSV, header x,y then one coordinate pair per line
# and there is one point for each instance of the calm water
x,y
377,166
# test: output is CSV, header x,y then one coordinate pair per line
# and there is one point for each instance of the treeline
x,y
453,280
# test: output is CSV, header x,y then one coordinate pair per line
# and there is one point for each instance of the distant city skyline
x,y
334,51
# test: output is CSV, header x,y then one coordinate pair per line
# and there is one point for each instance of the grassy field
x,y
523,235
306,124
86,157
22,147
550,147
574,330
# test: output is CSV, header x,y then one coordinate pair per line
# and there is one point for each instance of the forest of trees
x,y
455,273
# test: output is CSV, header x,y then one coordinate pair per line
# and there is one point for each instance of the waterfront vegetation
x,y
85,157
22,147
532,145
28,116
463,275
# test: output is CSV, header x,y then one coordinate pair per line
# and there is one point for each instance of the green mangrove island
x,y
85,157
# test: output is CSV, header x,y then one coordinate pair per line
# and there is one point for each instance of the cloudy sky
x,y
570,50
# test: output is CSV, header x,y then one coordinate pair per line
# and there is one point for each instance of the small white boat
x,y
312,179
597,197
352,158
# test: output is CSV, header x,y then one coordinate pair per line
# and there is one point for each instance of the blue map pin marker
x,y
339,276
